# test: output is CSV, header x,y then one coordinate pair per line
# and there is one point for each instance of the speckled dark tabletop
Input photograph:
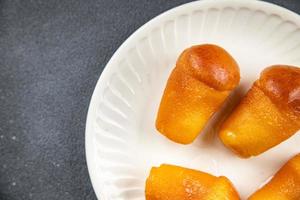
x,y
51,55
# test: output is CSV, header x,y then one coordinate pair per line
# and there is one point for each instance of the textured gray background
x,y
51,55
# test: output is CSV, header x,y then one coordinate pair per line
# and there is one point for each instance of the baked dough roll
x,y
285,185
267,115
202,79
169,182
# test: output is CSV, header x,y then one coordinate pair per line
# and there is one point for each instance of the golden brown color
x,y
202,79
285,185
222,189
267,115
169,182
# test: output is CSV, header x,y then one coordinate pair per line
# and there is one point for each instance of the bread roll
x,y
285,185
202,79
169,182
267,115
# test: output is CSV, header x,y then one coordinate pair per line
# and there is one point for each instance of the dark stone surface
x,y
51,55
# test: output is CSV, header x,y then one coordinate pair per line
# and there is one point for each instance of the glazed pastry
x,y
285,185
202,79
267,115
169,182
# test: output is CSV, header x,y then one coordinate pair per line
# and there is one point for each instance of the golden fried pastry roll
x,y
285,185
267,115
202,79
169,182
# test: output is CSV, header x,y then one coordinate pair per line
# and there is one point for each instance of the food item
x,y
267,115
285,185
169,182
202,79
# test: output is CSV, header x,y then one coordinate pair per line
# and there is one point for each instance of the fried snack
x,y
285,185
202,79
169,182
267,115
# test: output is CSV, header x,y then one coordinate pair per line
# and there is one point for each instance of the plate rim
x,y
89,147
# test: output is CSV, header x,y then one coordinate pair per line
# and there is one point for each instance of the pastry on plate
x,y
169,182
285,185
202,79
268,114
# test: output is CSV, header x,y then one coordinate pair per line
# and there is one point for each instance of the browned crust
x,y
281,83
212,65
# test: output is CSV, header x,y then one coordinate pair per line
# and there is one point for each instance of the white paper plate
x,y
121,140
